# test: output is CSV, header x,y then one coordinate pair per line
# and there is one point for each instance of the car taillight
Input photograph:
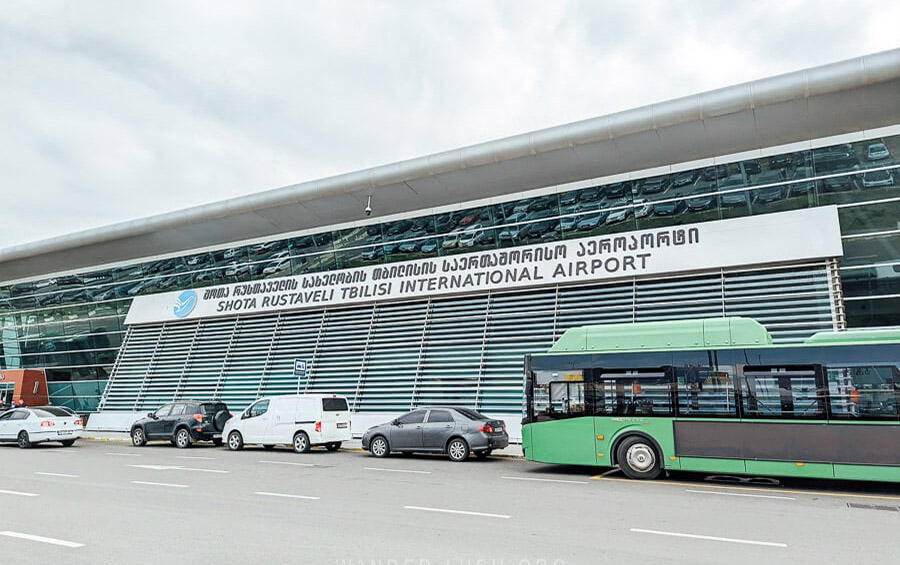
x,y
318,426
198,417
77,422
47,424
504,427
486,429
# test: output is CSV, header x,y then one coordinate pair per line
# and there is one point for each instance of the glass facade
x,y
72,325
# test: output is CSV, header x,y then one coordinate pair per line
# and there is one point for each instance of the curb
x,y
100,438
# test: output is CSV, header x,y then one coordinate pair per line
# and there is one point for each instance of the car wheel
x,y
638,458
483,454
182,438
68,442
218,442
379,447
138,439
458,449
268,447
333,446
23,440
301,442
235,441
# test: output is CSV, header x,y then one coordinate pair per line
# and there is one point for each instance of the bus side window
x,y
863,392
782,392
705,391
558,394
639,392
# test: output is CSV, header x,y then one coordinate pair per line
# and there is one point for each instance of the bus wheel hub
x,y
640,457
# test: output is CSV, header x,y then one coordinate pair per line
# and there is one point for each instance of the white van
x,y
299,420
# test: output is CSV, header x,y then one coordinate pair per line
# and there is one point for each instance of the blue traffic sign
x,y
299,368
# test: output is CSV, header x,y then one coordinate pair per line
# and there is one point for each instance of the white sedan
x,y
27,426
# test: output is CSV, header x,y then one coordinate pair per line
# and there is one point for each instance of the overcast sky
x,y
116,110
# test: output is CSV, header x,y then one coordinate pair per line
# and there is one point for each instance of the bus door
x,y
561,432
783,412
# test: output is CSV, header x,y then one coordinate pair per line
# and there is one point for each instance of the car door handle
x,y
418,427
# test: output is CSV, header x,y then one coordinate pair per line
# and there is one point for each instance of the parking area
x,y
108,502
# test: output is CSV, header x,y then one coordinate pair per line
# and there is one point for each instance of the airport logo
x,y
185,303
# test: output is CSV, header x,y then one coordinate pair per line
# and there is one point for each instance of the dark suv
x,y
182,423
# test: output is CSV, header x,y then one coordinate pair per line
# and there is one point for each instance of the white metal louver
x,y
464,350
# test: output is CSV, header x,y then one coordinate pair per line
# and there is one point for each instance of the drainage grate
x,y
873,507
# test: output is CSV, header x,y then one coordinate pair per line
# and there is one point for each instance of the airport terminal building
x,y
777,199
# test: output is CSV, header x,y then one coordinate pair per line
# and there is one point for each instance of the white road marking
x,y
177,468
738,494
446,511
160,484
198,470
397,470
124,454
17,493
287,495
42,539
56,475
288,463
193,457
545,480
712,538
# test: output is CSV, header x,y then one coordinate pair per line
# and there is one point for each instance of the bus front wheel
x,y
638,458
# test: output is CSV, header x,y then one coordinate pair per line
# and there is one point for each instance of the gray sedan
x,y
439,429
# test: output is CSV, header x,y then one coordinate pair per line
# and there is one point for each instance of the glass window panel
x,y
871,250
876,312
883,216
658,188
359,257
631,393
230,256
734,202
871,281
314,263
97,278
864,392
394,231
278,266
784,392
347,238
444,223
236,271
835,158
128,273
198,261
611,191
209,277
266,250
705,391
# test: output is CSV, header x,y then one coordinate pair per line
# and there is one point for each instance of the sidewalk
x,y
514,450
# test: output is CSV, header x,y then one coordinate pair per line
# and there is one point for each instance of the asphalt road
x,y
105,502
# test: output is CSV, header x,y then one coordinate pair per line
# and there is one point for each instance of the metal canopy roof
x,y
853,95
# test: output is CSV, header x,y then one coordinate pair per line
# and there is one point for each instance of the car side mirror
x,y
395,423
151,415
245,415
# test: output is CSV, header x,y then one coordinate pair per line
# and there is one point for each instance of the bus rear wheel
x,y
638,458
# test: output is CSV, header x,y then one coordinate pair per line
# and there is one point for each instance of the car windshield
x,y
471,414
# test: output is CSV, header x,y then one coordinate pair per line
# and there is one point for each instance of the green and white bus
x,y
717,396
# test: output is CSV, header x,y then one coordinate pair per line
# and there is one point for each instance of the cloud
x,y
115,111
